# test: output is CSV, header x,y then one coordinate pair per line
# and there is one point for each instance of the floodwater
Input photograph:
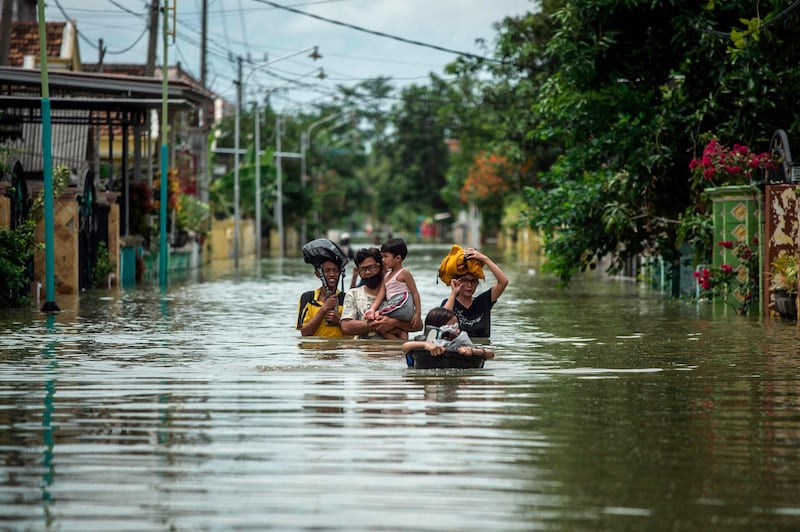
x,y
608,407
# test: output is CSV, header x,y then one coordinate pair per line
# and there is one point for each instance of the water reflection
x,y
608,407
47,417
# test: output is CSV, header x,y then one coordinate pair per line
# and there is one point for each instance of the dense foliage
x,y
581,123
633,91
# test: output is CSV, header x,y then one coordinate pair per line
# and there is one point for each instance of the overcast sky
x,y
256,29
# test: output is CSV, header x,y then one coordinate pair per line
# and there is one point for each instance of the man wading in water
x,y
358,300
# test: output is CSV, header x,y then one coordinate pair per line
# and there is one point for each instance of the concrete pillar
x,y
5,207
66,226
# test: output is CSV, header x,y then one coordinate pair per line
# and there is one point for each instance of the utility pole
x,y
163,254
152,44
101,53
5,31
204,45
236,163
47,161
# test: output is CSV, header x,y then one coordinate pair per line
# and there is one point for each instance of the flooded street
x,y
608,407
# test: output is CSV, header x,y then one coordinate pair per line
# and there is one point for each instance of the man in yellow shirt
x,y
319,311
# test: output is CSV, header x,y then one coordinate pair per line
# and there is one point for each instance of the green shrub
x,y
103,265
193,214
16,251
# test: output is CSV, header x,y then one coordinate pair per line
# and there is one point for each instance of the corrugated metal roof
x,y
19,81
94,104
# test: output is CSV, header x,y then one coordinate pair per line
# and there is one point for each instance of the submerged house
x,y
102,131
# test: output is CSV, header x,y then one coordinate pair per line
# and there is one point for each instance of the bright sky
x,y
256,29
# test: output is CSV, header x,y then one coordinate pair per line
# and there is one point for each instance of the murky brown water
x,y
607,408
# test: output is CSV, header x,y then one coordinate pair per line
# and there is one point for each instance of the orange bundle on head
x,y
455,264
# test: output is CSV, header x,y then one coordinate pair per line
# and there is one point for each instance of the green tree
x,y
630,88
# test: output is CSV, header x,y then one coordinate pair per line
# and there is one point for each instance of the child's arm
x,y
435,350
470,351
407,278
370,313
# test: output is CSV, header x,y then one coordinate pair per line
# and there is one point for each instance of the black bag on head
x,y
320,250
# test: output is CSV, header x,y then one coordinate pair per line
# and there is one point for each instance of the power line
x,y
88,41
225,30
771,22
379,33
134,43
125,9
243,25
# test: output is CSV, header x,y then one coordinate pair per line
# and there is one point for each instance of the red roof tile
x,y
25,40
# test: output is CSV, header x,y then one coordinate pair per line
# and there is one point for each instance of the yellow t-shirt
x,y
308,307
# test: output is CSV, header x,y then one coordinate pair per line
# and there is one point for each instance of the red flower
x,y
728,166
726,244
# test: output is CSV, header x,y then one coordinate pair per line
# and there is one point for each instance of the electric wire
x,y
125,9
129,48
231,57
379,33
243,26
89,42
771,22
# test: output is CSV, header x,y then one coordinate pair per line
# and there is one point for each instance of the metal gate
x,y
93,223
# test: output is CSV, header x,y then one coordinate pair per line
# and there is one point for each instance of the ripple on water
x,y
606,408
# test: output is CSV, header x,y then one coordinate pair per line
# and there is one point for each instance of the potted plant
x,y
783,285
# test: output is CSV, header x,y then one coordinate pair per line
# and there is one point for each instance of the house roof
x,y
25,42
121,87
23,81
175,73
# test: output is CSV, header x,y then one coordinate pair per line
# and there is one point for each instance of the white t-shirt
x,y
356,302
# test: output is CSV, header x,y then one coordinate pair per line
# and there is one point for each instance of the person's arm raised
x,y
455,289
502,280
